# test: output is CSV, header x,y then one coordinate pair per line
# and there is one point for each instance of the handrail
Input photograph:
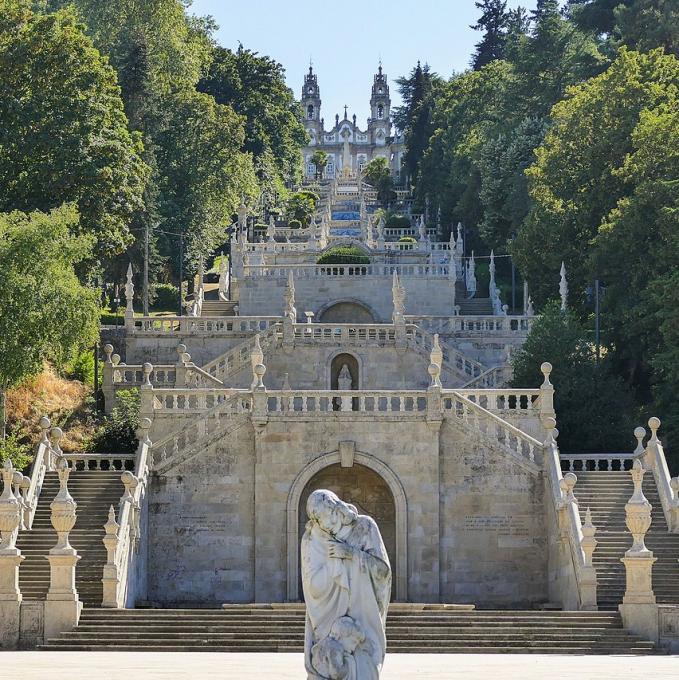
x,y
40,466
514,441
453,359
568,515
667,487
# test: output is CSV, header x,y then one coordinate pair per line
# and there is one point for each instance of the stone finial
x,y
129,293
470,277
260,370
436,354
10,512
181,352
563,288
567,485
588,542
130,482
529,309
147,369
242,215
638,513
491,270
654,424
143,431
56,435
44,425
63,511
115,360
639,434
434,371
18,482
674,484
111,526
546,392
398,295
286,383
108,350
256,354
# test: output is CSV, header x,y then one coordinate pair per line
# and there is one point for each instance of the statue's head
x,y
324,508
328,658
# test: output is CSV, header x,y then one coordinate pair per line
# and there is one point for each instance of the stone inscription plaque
x,y
503,525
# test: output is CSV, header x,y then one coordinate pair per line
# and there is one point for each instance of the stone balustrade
x,y
99,461
497,376
368,402
516,443
345,333
453,359
238,357
573,462
503,400
204,325
176,401
301,271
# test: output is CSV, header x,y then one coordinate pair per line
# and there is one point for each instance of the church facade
x,y
349,148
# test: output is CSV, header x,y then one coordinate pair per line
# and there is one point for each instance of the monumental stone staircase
x,y
606,493
410,628
94,491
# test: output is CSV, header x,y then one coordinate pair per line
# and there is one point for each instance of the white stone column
x,y
10,559
63,607
638,609
110,579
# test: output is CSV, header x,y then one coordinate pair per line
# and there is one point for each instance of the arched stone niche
x,y
396,530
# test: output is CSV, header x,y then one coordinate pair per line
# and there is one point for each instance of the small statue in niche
x,y
344,379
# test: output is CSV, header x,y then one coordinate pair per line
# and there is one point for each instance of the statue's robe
x,y
359,587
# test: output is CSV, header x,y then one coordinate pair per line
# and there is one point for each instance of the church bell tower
x,y
311,105
380,109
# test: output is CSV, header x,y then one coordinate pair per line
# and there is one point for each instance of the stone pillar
x,y
110,579
107,383
146,393
588,580
181,366
638,609
10,559
546,394
129,298
62,607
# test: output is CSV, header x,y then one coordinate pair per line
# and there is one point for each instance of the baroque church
x,y
349,148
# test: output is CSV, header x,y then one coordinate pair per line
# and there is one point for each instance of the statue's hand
x,y
340,550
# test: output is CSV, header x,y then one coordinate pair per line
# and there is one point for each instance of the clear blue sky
x,y
347,39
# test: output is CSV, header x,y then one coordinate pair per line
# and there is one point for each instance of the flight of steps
x,y
218,308
94,491
606,493
427,629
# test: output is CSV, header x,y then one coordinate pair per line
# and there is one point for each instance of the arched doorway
x,y
347,311
364,488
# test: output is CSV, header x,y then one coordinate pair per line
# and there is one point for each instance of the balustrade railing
x,y
176,401
100,461
504,400
204,325
369,402
512,440
345,333
492,378
237,358
453,359
491,325
609,462
348,270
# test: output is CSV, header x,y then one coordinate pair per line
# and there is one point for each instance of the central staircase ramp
x,y
410,629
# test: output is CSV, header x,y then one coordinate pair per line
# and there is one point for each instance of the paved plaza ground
x,y
154,666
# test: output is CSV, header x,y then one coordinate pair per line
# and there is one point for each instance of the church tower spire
x,y
311,105
380,109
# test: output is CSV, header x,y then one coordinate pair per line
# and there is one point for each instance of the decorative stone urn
x,y
10,509
638,514
63,512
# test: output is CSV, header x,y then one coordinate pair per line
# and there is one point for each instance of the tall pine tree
x,y
494,22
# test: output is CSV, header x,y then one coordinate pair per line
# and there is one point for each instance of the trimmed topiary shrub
x,y
398,222
344,255
294,224
407,239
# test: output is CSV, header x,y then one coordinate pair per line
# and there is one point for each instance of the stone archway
x,y
346,311
295,522
364,488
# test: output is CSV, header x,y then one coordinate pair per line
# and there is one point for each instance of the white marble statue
x,y
344,381
346,579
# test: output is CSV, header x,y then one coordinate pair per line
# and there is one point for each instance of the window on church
x,y
310,112
380,111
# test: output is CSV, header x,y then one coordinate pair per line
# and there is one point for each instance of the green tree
x,y
378,175
64,136
254,86
494,23
47,315
320,161
415,117
300,206
646,24
205,173
593,406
